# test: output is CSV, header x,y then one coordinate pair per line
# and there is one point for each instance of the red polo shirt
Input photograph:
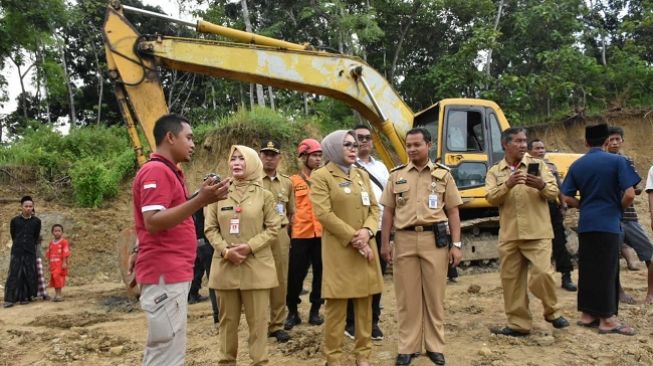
x,y
169,253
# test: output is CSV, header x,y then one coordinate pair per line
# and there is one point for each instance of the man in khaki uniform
x,y
420,198
281,188
521,186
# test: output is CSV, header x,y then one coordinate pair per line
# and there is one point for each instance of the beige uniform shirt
x,y
338,204
523,211
408,192
281,188
259,224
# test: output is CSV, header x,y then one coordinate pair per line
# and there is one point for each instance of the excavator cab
x,y
467,138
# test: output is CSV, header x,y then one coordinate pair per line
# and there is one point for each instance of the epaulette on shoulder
x,y
397,167
440,171
284,175
438,165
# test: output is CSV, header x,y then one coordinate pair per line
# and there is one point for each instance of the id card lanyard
x,y
433,197
234,223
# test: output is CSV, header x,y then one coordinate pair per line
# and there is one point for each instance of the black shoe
x,y
292,320
506,331
377,334
8,304
559,322
404,359
24,302
280,335
350,331
436,357
567,284
194,299
315,319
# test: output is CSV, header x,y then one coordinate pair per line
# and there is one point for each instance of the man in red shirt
x,y
166,237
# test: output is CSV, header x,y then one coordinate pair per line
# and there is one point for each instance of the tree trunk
x,y
395,58
271,93
251,96
71,97
488,62
305,104
248,27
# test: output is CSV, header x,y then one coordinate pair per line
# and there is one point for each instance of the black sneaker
x,y
280,335
350,331
315,319
377,334
292,320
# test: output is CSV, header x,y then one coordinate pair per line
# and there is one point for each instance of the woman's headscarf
x,y
332,148
253,166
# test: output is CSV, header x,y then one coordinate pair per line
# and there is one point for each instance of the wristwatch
x,y
370,232
457,244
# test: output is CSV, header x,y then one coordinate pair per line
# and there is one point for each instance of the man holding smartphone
x,y
521,186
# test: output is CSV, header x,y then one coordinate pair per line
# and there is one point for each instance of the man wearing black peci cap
x,y
605,183
281,187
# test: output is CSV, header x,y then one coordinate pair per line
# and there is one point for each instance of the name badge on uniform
x,y
433,200
234,226
281,208
366,198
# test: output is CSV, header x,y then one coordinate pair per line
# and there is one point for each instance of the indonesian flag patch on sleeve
x,y
150,184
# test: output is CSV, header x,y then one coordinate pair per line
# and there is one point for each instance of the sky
x,y
171,7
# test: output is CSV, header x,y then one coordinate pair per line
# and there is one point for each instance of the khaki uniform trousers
x,y
515,256
335,311
278,310
420,279
257,314
166,308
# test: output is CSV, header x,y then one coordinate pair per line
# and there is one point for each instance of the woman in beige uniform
x,y
345,205
241,229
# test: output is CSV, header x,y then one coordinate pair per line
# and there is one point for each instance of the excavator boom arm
x,y
345,78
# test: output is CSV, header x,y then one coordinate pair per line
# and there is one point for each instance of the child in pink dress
x,y
57,255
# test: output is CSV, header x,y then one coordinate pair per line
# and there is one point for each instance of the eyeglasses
x,y
350,145
363,138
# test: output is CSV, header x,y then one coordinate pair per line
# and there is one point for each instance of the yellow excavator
x,y
466,132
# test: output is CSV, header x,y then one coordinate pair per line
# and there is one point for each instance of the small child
x,y
57,255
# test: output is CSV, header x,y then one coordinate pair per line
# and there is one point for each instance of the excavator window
x,y
495,139
465,131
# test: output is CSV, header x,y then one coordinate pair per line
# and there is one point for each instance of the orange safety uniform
x,y
305,225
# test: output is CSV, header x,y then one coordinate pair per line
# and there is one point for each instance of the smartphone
x,y
533,169
213,175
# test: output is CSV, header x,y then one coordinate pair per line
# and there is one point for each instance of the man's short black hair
x,y
616,130
56,225
420,130
507,134
25,199
361,127
531,142
168,123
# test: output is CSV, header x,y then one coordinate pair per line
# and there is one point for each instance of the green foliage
x,y
96,159
267,123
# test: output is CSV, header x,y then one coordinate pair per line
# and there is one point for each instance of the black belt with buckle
x,y
418,228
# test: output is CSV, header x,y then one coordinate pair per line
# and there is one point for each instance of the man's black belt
x,y
419,228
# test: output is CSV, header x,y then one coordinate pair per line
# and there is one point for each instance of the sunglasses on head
x,y
350,145
364,137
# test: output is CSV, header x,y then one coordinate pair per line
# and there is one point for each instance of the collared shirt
x,y
24,234
408,192
169,253
523,210
601,178
379,171
281,188
305,225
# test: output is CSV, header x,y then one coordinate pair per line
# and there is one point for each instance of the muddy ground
x,y
98,325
